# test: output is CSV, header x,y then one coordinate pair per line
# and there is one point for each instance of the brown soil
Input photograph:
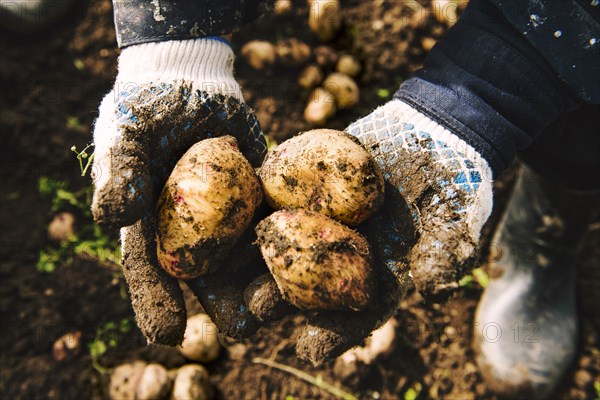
x,y
52,84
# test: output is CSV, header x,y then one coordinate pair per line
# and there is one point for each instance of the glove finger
x,y
329,334
440,258
123,189
199,117
156,297
223,300
264,300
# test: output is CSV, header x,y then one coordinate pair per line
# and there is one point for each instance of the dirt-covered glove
x,y
438,196
167,96
445,183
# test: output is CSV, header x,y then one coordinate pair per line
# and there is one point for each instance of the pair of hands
x,y
170,95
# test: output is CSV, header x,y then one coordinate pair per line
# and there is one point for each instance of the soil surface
x,y
52,84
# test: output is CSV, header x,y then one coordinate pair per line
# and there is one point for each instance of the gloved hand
x,y
438,196
167,96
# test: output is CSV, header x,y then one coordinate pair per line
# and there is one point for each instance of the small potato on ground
x,y
344,90
154,383
310,77
258,54
348,65
124,380
325,18
320,107
192,382
292,52
200,341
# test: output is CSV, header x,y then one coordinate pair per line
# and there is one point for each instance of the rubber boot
x,y
526,324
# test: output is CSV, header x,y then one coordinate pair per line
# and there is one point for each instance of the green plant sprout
x,y
478,276
83,155
271,144
316,381
107,336
413,392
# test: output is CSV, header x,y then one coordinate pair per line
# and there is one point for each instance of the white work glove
x,y
167,96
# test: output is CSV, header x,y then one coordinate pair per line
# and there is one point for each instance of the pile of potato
x,y
327,77
320,182
139,380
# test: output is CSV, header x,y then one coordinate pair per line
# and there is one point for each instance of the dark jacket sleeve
x,y
492,87
144,21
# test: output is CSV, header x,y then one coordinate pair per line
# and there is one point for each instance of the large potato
x,y
206,204
317,262
325,171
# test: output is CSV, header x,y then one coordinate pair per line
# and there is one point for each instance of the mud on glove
x,y
167,96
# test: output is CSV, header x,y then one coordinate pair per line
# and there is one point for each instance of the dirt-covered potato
x,y
320,107
258,54
348,65
344,90
325,18
326,171
192,382
310,77
154,384
325,56
62,226
124,380
292,52
200,342
317,262
282,7
205,206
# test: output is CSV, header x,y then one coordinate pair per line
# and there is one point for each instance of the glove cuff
x,y
206,63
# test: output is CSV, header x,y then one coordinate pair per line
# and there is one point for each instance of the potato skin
x,y
317,262
205,206
325,171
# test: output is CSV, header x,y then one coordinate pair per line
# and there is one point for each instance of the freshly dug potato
x,y
325,56
325,18
343,88
62,226
428,43
348,65
320,107
154,383
205,206
200,343
258,54
124,380
191,382
325,171
317,262
292,52
310,77
282,7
